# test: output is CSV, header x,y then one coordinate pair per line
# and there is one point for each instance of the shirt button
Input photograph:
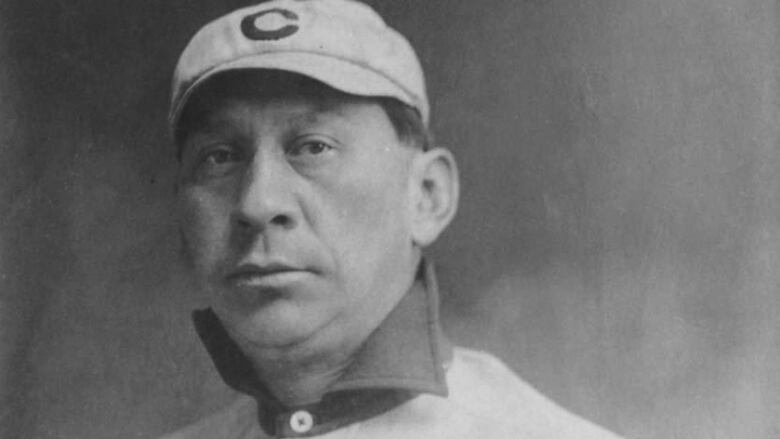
x,y
301,421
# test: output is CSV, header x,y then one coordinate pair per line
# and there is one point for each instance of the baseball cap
x,y
342,43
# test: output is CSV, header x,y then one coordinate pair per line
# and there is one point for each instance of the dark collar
x,y
402,358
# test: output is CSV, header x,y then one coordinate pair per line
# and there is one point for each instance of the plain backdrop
x,y
617,243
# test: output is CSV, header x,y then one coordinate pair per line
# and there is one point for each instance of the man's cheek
x,y
366,220
204,231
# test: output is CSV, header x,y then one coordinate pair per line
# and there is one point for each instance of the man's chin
x,y
275,325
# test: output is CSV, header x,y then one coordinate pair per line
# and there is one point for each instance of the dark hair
x,y
406,120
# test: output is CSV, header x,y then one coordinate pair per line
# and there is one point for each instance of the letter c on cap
x,y
250,29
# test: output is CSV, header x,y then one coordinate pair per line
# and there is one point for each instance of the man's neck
x,y
404,356
300,373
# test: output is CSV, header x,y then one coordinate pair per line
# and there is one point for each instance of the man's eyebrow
x,y
318,112
210,124
205,128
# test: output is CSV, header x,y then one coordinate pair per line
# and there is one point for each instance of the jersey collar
x,y
405,356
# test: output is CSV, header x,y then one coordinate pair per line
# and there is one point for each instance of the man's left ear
x,y
435,190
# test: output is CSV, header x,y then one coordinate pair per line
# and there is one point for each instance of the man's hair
x,y
269,84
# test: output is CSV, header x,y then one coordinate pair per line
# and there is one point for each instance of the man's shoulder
x,y
484,389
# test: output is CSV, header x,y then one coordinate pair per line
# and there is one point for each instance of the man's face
x,y
295,214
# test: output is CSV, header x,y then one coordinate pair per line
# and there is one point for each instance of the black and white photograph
x,y
387,219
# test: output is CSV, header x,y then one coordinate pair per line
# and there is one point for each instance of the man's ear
x,y
435,190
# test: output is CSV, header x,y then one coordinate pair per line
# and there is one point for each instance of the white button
x,y
301,421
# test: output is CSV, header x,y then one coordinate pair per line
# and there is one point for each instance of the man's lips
x,y
264,275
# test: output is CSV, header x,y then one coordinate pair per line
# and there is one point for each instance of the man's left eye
x,y
310,148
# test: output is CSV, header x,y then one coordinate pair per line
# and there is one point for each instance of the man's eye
x,y
217,161
310,148
220,157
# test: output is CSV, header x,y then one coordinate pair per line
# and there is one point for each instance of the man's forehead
x,y
269,85
291,110
254,89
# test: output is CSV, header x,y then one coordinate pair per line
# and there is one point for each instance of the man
x,y
308,188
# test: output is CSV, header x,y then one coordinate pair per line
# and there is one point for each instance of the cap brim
x,y
337,73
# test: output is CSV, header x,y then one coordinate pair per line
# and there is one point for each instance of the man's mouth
x,y
265,275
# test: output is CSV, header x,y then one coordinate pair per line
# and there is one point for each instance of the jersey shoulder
x,y
483,387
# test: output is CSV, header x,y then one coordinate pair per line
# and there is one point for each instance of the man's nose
x,y
265,197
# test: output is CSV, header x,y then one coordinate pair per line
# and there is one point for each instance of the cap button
x,y
301,421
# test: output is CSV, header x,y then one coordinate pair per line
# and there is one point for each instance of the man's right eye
x,y
220,157
217,161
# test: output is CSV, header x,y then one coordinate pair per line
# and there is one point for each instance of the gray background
x,y
617,243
